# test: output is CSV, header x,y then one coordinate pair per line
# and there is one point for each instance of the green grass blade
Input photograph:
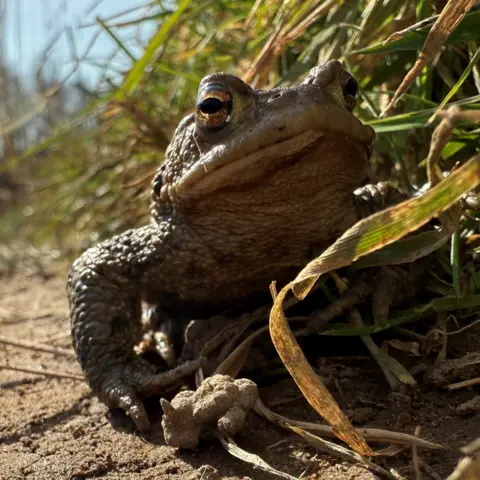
x,y
116,39
136,74
459,83
418,119
444,304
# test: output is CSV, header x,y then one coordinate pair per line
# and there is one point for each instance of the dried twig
x,y
37,347
460,330
46,373
415,458
465,383
374,435
56,336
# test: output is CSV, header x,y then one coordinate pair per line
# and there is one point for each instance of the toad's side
x,y
252,182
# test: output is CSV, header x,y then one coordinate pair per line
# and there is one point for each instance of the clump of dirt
x,y
53,428
220,403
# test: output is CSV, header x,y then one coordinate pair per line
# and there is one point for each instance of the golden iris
x,y
214,106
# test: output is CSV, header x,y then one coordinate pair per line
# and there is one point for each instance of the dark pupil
x,y
350,87
210,105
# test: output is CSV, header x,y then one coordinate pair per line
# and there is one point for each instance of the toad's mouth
x,y
274,140
214,173
206,177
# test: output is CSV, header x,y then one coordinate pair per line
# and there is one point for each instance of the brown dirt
x,y
55,429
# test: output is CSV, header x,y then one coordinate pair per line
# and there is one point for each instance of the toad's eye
x,y
350,90
214,106
210,105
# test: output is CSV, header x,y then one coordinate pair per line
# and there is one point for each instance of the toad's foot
x,y
105,288
372,198
126,385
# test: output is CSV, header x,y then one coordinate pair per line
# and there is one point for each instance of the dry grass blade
x,y
345,454
441,136
37,347
300,29
252,13
430,471
456,332
136,74
232,332
307,380
324,445
465,383
393,370
472,448
45,373
462,115
450,17
400,33
284,33
374,435
234,361
415,457
233,449
36,109
456,87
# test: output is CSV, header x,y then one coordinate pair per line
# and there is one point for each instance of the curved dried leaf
x,y
308,381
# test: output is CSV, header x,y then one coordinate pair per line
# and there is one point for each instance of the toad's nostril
x,y
274,97
157,184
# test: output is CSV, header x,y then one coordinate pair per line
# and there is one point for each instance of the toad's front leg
x,y
105,287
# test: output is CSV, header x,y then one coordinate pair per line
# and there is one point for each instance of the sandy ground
x,y
55,429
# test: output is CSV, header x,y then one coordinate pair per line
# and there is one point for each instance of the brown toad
x,y
252,181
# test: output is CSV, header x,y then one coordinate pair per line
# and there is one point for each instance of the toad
x,y
252,181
